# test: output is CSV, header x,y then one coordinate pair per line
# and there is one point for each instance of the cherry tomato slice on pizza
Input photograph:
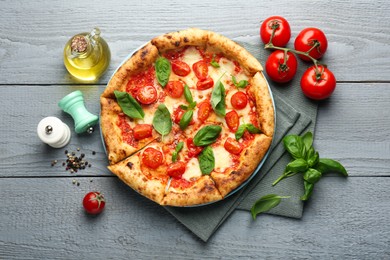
x,y
232,146
193,150
201,69
152,158
180,68
147,95
176,169
142,131
175,88
204,110
232,120
178,114
205,84
239,100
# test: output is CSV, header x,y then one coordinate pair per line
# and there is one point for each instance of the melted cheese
x,y
192,170
223,159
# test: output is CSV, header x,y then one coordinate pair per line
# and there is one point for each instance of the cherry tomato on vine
x,y
94,202
312,39
318,83
279,70
282,31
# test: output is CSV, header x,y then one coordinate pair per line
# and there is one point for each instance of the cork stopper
x,y
79,44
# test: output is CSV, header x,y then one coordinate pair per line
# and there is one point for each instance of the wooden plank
x,y
43,218
36,33
352,127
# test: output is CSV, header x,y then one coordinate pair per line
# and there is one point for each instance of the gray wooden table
x,y
40,208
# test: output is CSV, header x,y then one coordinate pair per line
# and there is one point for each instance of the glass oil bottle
x,y
87,56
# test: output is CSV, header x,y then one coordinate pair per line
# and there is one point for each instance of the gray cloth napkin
x,y
295,114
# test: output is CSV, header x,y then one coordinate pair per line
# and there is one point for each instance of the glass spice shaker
x,y
87,56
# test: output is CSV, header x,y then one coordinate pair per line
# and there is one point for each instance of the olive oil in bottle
x,y
87,56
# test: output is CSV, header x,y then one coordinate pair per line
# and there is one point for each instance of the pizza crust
x,y
249,160
203,191
139,61
130,172
264,104
175,40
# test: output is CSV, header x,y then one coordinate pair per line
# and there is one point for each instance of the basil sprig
x,y
266,203
187,116
207,135
242,128
308,162
241,84
162,121
163,70
206,160
129,105
218,98
175,153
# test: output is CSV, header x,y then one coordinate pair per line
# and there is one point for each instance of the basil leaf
x,y
252,129
242,84
163,70
188,94
207,135
298,165
295,146
183,107
206,160
218,98
266,203
214,63
162,121
186,119
129,105
241,130
192,105
175,153
307,140
312,175
313,160
308,190
329,165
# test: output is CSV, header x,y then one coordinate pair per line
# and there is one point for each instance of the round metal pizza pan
x,y
255,172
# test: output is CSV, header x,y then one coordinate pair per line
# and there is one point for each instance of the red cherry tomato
x,y
142,131
239,100
311,39
318,84
180,68
204,110
201,69
282,33
152,158
175,88
178,114
205,84
277,70
147,95
232,146
176,169
232,120
94,202
193,150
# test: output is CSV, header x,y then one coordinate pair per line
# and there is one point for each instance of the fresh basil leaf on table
x,y
129,105
266,203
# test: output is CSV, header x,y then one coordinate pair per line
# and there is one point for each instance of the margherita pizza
x,y
187,118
